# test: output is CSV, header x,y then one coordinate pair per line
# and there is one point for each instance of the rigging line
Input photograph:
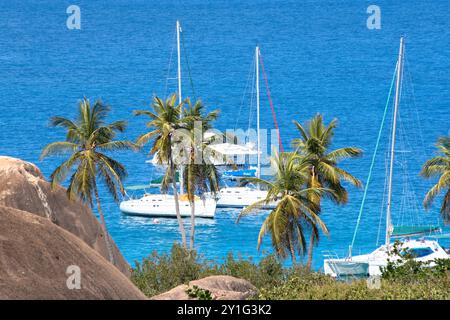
x,y
414,103
251,105
271,103
383,202
409,194
249,75
373,159
188,66
170,63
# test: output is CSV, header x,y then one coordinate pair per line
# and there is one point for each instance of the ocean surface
x,y
319,57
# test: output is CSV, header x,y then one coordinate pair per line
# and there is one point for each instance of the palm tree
x,y
200,176
165,119
439,166
88,139
314,143
294,211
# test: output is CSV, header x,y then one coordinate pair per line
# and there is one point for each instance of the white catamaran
x,y
240,197
424,250
163,205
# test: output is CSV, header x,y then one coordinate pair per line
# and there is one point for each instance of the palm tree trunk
x,y
103,224
177,203
192,224
191,192
313,183
292,250
310,251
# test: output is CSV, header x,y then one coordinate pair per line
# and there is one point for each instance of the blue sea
x,y
319,57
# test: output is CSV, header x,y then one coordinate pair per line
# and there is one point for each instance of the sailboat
x,y
163,205
240,197
423,250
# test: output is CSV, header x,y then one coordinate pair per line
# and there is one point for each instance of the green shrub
x,y
268,272
199,293
161,272
406,269
317,286
403,279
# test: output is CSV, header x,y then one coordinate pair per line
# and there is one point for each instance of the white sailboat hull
x,y
345,267
241,197
158,205
372,264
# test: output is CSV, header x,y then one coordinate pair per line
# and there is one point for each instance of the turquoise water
x,y
319,57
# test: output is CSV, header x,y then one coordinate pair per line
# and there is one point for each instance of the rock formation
x,y
221,288
37,261
23,187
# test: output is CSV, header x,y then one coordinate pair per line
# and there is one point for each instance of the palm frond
x,y
344,153
118,145
439,166
59,148
251,208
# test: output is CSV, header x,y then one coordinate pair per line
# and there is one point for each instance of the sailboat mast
x,y
180,99
179,61
394,127
258,168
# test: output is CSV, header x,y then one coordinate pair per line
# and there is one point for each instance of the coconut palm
x,y
314,143
439,166
294,210
200,176
166,118
88,139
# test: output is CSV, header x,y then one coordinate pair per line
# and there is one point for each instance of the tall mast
x,y
394,126
180,99
179,61
258,144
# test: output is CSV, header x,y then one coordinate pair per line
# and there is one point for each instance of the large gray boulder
x,y
221,288
23,187
35,256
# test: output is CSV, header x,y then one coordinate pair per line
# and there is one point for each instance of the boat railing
x,y
331,256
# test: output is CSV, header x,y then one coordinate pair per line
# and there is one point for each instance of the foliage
x,y
314,144
294,210
160,273
439,166
199,293
320,287
199,176
88,140
407,269
268,272
402,278
165,119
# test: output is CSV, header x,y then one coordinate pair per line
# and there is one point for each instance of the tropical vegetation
x,y
294,209
302,180
166,117
314,145
159,273
200,176
89,140
439,166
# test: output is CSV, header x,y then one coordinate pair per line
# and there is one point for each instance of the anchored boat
x,y
240,197
423,250
163,205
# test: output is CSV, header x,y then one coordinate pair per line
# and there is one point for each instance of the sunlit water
x,y
319,57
